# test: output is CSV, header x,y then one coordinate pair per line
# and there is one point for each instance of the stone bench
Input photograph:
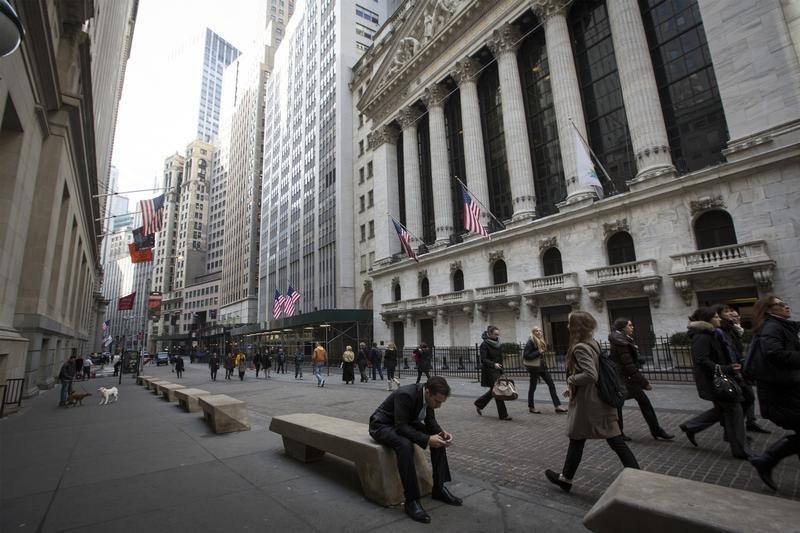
x,y
155,385
188,399
224,414
307,436
656,503
148,382
168,390
141,378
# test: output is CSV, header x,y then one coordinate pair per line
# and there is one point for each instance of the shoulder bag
x,y
504,389
725,388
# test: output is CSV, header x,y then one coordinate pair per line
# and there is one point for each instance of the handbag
x,y
725,388
504,389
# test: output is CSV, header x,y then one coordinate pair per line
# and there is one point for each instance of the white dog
x,y
107,394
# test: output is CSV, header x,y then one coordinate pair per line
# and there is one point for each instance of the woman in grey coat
x,y
589,417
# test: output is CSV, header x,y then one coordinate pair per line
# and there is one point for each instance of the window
x,y
397,292
371,229
494,143
551,262
370,201
458,281
361,175
714,228
424,287
620,248
369,170
361,147
363,233
361,204
363,263
499,273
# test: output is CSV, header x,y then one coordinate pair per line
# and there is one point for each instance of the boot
x,y
765,463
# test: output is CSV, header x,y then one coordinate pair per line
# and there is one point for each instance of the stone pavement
x,y
144,464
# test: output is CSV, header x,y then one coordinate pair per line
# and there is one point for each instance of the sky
x,y
142,141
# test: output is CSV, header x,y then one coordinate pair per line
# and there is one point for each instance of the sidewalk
x,y
144,464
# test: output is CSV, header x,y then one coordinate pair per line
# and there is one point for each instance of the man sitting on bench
x,y
405,418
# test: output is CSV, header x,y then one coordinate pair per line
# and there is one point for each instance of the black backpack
x,y
610,390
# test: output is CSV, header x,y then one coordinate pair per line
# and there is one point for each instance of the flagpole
x,y
597,159
405,228
485,209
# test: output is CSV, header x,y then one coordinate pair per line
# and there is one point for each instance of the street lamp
x,y
11,31
326,326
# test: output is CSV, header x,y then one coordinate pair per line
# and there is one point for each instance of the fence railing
x,y
661,361
11,393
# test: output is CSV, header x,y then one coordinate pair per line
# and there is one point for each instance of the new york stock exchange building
x,y
691,109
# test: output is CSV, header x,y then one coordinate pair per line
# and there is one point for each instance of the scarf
x,y
494,343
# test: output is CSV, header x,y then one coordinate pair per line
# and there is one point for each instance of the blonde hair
x,y
541,344
391,346
349,349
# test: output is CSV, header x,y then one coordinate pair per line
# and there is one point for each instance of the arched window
x,y
458,281
551,262
499,272
620,248
714,228
397,294
424,287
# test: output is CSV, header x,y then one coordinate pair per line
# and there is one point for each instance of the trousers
x,y
575,454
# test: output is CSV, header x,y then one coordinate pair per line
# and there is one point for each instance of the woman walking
x,y
625,354
390,363
533,359
213,365
424,361
589,417
776,367
179,364
362,359
241,364
708,355
348,373
229,365
491,369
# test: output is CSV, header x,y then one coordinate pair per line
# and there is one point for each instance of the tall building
x,y
307,196
59,94
700,194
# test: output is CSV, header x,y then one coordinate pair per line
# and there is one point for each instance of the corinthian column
x,y
465,73
504,44
383,142
639,91
440,167
408,122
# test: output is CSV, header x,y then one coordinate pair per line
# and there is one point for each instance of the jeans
x,y
575,453
730,413
318,373
66,390
376,366
535,374
298,371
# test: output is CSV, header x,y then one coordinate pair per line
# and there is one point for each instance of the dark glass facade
x,y
455,156
494,143
690,101
601,94
426,183
401,181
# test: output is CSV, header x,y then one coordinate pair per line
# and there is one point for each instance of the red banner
x,y
140,256
154,304
126,302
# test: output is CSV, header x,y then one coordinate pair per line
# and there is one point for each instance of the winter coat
x,y
733,341
425,359
375,357
390,358
490,354
320,356
213,362
589,417
707,352
532,349
179,363
348,356
625,355
67,372
777,371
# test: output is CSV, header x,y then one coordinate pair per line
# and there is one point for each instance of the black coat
x,y
400,409
425,359
625,354
179,365
777,371
489,356
390,358
707,352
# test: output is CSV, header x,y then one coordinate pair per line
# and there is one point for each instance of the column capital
x,y
381,135
408,116
505,39
466,70
434,96
545,9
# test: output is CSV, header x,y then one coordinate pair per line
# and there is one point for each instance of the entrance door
x,y
426,331
554,326
742,299
398,335
637,310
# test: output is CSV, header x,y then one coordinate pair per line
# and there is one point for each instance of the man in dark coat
x,y
66,375
375,361
406,418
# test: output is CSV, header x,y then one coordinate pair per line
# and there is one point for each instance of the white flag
x,y
587,176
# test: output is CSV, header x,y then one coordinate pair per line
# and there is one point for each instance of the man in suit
x,y
406,418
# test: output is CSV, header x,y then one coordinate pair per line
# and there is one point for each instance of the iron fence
x,y
11,394
661,361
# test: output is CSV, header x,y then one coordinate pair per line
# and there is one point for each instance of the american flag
x,y
152,214
277,307
405,240
290,303
472,214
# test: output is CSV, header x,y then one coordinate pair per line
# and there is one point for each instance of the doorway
x,y
426,331
554,326
398,335
637,310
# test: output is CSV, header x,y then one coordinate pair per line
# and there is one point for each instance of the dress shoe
x,y
764,469
660,433
506,418
416,512
555,479
479,410
560,409
444,495
534,410
755,428
689,434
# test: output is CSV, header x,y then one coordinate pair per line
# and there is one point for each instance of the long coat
x,y
489,356
625,355
778,376
589,417
707,353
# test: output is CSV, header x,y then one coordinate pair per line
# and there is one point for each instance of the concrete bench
x,y
140,379
148,382
168,390
224,414
644,501
188,399
155,385
307,436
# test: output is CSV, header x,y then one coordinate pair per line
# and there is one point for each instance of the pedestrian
x,y
66,375
589,417
390,362
179,366
375,361
257,362
117,366
171,363
213,365
362,360
491,369
229,364
241,364
78,368
708,355
407,418
625,354
424,361
348,372
533,360
298,364
775,364
319,359
281,358
267,363
87,367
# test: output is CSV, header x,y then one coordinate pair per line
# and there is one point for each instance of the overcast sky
x,y
142,142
